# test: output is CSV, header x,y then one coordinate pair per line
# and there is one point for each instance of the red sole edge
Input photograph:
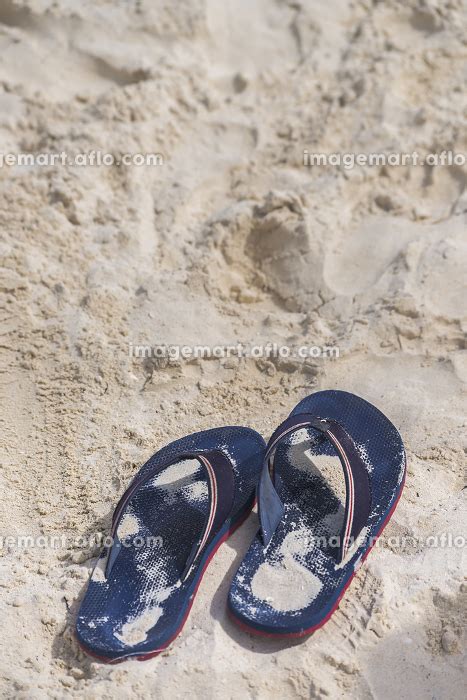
x,y
156,652
310,630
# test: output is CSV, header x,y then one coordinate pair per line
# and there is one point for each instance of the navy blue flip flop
x,y
316,527
184,502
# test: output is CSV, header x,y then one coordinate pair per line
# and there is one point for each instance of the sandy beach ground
x,y
231,238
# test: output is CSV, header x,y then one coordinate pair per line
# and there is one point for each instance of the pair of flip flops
x,y
315,527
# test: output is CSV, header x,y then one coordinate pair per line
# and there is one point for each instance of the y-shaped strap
x,y
358,492
221,488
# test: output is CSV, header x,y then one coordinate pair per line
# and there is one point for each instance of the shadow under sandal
x,y
185,501
332,475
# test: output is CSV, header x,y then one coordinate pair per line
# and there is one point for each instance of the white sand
x,y
231,239
128,526
136,630
287,584
176,472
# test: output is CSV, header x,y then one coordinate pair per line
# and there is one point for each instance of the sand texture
x,y
231,239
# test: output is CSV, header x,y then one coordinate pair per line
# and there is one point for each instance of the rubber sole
x,y
309,630
151,654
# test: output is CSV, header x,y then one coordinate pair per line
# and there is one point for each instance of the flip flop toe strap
x,y
358,490
221,488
